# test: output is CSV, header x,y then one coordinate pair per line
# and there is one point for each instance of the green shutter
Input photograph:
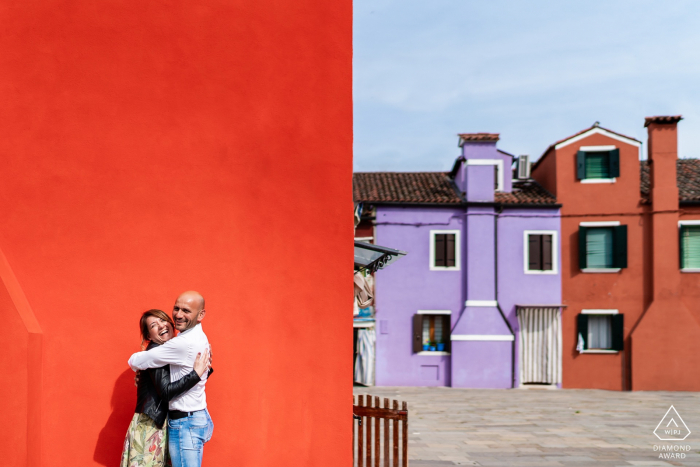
x,y
580,165
690,246
598,164
620,247
614,163
582,322
582,263
618,332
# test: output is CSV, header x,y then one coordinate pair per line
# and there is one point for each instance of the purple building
x,y
476,302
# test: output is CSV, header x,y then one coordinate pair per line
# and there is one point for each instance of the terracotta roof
x,y
404,187
433,188
687,177
526,192
662,119
477,137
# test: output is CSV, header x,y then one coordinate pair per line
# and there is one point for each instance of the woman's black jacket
x,y
155,390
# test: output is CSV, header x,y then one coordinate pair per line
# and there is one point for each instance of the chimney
x,y
663,154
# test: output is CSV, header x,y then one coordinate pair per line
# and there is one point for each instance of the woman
x,y
146,440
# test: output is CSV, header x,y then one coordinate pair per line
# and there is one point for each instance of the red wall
x,y
153,147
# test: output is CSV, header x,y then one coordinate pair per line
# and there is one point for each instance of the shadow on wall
x,y
111,440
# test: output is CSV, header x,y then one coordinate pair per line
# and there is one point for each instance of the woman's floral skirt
x,y
145,445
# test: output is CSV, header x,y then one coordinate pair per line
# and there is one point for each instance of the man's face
x,y
187,313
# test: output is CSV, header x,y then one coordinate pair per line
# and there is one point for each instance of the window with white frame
x,y
444,250
596,164
431,331
541,251
602,246
689,245
600,331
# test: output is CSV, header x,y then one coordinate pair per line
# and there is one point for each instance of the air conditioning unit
x,y
523,167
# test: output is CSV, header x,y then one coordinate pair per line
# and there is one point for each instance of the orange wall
x,y
622,291
153,147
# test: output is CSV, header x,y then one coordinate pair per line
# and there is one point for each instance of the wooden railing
x,y
371,417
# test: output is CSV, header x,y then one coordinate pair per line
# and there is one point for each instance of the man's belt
x,y
176,414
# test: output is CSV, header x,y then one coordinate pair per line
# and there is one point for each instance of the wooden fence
x,y
371,417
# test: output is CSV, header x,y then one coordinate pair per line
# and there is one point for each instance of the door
x,y
540,345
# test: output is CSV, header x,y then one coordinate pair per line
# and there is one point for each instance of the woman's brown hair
x,y
156,314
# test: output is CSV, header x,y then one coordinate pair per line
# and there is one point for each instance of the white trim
x,y
485,303
691,270
482,337
597,180
682,223
434,312
599,224
600,312
599,131
458,251
499,167
364,239
435,353
599,351
597,148
555,251
600,270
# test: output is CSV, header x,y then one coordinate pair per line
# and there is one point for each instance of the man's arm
x,y
173,351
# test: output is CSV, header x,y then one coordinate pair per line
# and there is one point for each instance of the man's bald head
x,y
188,310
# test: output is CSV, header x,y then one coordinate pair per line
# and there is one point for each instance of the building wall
x,y
515,287
408,286
152,148
623,291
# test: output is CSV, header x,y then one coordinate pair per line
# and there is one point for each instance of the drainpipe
x,y
497,213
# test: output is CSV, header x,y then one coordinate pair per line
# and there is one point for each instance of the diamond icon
x,y
672,427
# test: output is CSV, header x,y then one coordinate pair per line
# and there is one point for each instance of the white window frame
x,y
555,251
600,312
597,149
600,224
458,251
498,166
681,224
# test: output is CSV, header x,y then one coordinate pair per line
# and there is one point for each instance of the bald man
x,y
189,423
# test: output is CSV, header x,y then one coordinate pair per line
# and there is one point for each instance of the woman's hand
x,y
202,363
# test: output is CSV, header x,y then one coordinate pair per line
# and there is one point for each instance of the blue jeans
x,y
186,438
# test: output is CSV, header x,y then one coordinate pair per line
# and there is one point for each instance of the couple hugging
x,y
170,389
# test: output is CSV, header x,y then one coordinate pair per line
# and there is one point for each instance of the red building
x,y
154,147
630,258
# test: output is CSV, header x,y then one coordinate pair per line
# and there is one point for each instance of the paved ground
x,y
539,427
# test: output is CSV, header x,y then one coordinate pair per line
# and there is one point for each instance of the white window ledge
x,y
537,271
599,351
434,353
598,180
601,270
690,270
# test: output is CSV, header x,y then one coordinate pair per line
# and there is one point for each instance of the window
x,y
690,245
541,252
444,250
431,331
600,330
602,246
598,163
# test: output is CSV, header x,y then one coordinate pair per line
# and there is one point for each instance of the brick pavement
x,y
541,428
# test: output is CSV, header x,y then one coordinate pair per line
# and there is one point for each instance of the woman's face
x,y
159,330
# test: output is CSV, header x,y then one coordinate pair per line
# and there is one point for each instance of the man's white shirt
x,y
180,353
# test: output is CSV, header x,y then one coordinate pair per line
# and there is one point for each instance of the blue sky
x,y
533,71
